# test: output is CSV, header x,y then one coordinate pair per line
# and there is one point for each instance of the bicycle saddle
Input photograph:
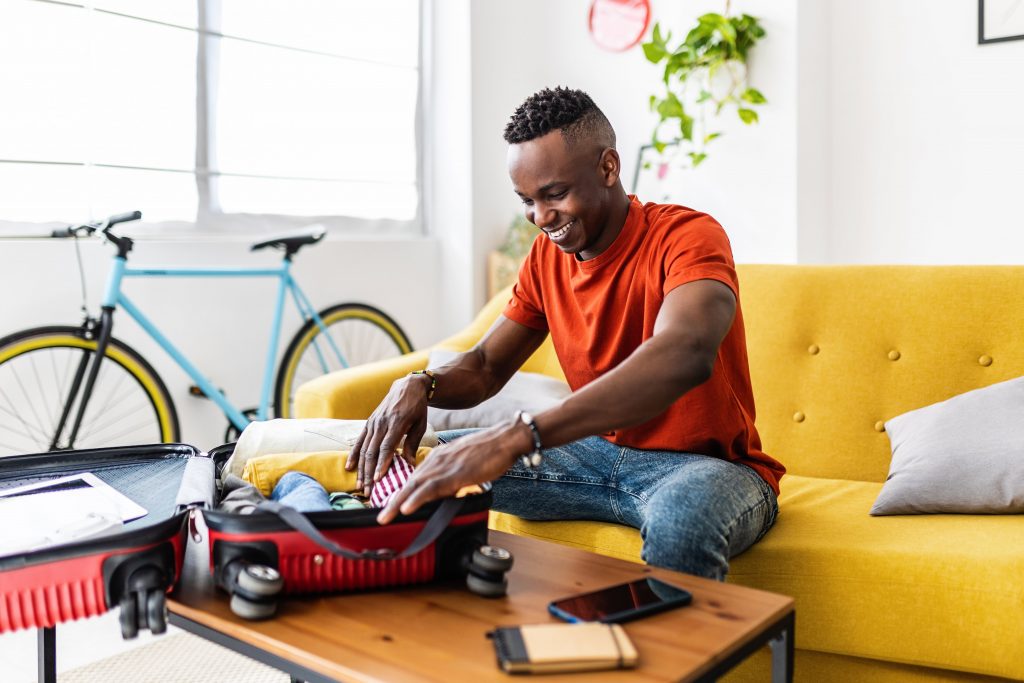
x,y
292,242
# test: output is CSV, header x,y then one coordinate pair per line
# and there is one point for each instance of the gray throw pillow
x,y
528,391
965,454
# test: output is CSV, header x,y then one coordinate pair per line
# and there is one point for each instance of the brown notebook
x,y
561,648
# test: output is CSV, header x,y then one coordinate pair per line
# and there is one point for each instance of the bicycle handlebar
x,y
124,218
90,228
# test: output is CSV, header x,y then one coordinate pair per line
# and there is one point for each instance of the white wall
x,y
927,135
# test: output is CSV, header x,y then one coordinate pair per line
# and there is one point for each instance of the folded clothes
x,y
302,492
238,495
391,483
327,467
342,500
300,436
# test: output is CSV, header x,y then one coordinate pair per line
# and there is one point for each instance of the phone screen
x,y
619,603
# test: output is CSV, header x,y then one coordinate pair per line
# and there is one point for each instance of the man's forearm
x,y
464,382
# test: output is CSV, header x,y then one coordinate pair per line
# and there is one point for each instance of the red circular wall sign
x,y
618,25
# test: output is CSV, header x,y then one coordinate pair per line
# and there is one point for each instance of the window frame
x,y
211,219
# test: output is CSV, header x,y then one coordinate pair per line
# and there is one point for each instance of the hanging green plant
x,y
704,75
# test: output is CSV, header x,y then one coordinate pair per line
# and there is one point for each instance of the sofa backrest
x,y
835,351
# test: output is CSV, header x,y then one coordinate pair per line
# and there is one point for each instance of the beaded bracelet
x,y
433,381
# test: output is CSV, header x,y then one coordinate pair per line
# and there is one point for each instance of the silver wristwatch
x,y
532,459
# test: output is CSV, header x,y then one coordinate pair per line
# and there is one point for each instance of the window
x,y
216,111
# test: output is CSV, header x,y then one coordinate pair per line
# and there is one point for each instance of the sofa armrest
x,y
354,393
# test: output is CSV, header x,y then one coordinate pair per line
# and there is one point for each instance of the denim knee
x,y
707,515
684,541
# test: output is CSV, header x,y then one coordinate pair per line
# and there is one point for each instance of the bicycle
x,y
64,387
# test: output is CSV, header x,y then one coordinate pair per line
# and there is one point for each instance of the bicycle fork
x,y
105,327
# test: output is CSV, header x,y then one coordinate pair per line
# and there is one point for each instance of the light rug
x,y
176,658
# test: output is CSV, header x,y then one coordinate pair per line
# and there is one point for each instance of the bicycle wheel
x,y
360,333
129,403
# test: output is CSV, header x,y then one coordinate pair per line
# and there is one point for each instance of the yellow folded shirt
x,y
327,467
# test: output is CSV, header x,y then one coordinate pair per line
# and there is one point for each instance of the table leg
x,y
46,649
782,653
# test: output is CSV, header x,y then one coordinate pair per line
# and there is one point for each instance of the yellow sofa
x,y
835,351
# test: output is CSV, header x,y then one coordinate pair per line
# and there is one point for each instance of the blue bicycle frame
x,y
114,297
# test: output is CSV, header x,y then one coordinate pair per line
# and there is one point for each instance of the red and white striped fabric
x,y
391,483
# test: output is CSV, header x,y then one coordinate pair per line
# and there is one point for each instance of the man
x,y
641,302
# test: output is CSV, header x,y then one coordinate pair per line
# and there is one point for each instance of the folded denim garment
x,y
327,467
301,492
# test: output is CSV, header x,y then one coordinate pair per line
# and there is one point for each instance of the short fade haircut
x,y
570,111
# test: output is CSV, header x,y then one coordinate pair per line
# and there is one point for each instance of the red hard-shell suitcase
x,y
254,557
133,568
277,550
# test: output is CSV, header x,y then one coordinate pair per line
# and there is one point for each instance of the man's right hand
x,y
402,414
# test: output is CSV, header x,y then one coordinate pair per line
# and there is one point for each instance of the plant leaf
x,y
686,127
654,52
747,115
753,96
697,157
704,96
670,107
711,136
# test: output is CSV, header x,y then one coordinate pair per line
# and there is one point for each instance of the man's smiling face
x,y
565,190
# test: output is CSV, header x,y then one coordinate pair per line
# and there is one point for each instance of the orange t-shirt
x,y
600,310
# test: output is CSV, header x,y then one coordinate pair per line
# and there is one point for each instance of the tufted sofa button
x,y
813,349
798,416
879,426
894,355
985,361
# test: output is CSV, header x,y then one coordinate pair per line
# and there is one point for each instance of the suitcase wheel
x,y
129,617
485,573
156,611
255,590
260,580
492,558
486,588
248,609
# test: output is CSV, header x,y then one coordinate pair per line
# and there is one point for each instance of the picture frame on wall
x,y
1000,21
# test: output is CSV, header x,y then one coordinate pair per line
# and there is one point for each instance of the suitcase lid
x,y
150,475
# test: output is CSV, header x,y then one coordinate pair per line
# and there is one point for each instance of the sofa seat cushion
x,y
943,591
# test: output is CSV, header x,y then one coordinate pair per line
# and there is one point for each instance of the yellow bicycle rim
x,y
307,338
126,361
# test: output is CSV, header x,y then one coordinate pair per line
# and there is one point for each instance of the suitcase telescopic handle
x,y
434,527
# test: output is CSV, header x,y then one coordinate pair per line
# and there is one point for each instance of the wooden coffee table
x,y
437,632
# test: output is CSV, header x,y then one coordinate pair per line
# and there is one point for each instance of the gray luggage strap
x,y
434,527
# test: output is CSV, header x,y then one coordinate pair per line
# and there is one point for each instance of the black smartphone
x,y
624,602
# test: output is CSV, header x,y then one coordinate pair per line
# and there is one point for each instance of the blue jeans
x,y
694,512
302,492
